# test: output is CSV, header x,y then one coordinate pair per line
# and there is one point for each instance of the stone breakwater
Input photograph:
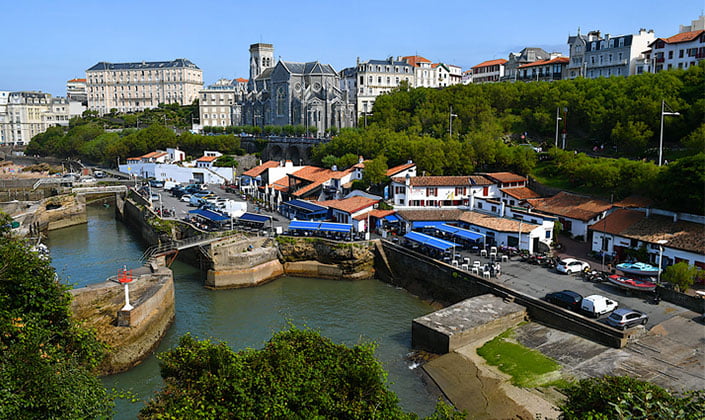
x,y
99,307
315,257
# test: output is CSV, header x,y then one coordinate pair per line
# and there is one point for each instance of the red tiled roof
x,y
499,224
258,170
682,37
77,80
207,159
635,201
444,181
557,60
381,213
633,224
241,80
397,169
505,177
414,60
521,193
316,176
153,155
617,221
571,206
349,205
490,63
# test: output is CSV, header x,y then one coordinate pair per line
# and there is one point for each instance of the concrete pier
x,y
473,319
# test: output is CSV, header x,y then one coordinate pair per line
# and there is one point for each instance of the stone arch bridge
x,y
296,149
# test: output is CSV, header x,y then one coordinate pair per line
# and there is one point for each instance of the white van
x,y
596,305
168,185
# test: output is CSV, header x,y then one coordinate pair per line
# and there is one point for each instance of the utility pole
x,y
558,118
670,112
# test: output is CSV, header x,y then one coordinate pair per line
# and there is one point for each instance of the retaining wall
x,y
694,303
435,280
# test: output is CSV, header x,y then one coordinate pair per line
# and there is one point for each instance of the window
x,y
369,79
611,43
362,80
621,42
680,53
432,192
670,55
379,80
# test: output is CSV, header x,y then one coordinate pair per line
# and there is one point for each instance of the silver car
x,y
627,318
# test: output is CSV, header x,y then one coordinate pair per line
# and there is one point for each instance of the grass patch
x,y
528,368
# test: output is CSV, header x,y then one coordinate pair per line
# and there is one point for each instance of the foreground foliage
x,y
621,397
298,375
47,359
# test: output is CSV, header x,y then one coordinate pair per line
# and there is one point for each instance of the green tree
x,y
47,359
681,274
631,137
621,397
695,141
375,171
297,375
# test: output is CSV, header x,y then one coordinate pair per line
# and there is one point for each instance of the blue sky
x,y
46,43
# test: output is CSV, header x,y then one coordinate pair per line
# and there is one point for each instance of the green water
x,y
346,312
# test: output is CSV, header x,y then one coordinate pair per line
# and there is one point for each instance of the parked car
x,y
87,180
571,265
627,318
186,198
99,174
566,299
596,305
155,183
154,197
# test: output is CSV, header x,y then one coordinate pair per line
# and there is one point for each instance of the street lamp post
x,y
450,120
558,119
670,112
660,243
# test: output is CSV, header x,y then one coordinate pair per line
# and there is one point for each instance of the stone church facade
x,y
290,93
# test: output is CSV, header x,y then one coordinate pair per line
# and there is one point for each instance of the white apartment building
x,y
680,51
30,113
578,45
448,74
130,87
488,71
220,103
369,79
440,191
425,74
614,55
76,90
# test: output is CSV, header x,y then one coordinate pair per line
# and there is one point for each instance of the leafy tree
x,y
695,141
329,161
47,359
683,179
622,397
297,375
226,161
632,136
375,170
681,274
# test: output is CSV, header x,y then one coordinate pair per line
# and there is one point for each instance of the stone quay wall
x,y
131,335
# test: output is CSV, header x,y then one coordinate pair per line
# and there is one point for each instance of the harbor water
x,y
346,312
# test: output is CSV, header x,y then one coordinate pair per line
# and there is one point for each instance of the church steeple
x,y
261,58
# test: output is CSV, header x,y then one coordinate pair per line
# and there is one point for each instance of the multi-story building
x,y
220,104
130,87
680,51
543,70
448,74
578,46
488,71
425,75
440,191
30,113
76,91
372,78
525,56
608,56
4,96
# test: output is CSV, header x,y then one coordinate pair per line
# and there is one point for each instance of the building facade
x,y
607,56
525,56
488,71
30,113
543,70
220,104
680,51
130,87
372,78
425,74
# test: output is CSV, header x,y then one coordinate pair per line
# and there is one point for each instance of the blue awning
x,y
251,217
429,241
210,215
335,227
320,226
392,218
303,225
429,224
305,205
461,233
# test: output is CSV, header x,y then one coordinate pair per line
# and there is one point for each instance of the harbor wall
x,y
434,280
131,335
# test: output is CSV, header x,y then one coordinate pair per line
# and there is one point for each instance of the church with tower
x,y
291,93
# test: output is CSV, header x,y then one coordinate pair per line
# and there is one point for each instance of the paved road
x,y
537,281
